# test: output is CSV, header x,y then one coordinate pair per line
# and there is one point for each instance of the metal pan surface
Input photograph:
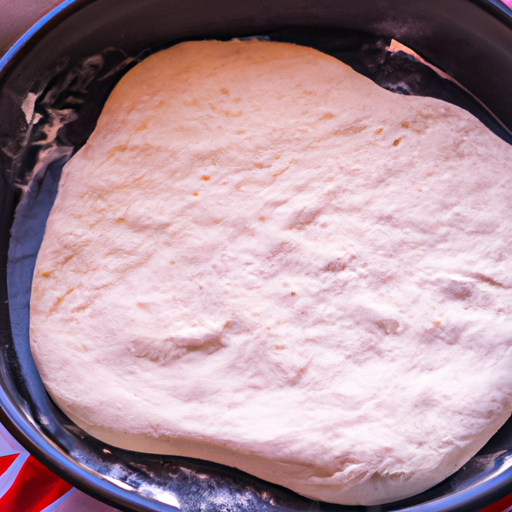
x,y
59,75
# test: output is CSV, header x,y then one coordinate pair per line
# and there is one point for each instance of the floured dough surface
x,y
263,259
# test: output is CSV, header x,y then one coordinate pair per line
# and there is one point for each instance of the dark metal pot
x,y
60,73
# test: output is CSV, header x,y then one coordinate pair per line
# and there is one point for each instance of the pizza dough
x,y
263,259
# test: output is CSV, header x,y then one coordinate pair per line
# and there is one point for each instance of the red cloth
x,y
34,488
6,461
503,505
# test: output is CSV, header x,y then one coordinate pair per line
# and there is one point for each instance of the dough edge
x,y
373,490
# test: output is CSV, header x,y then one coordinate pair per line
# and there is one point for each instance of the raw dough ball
x,y
263,259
